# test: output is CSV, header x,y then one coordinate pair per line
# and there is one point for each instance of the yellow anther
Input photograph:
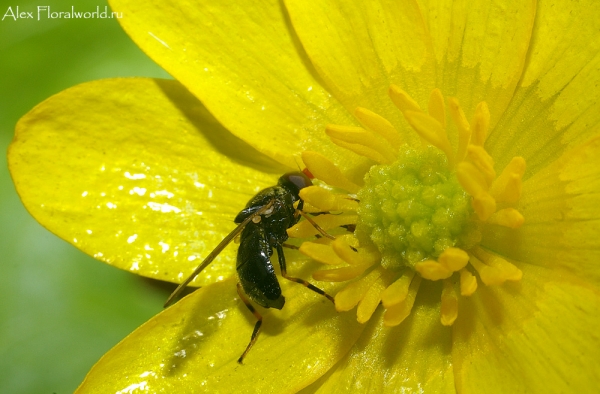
x,y
507,187
362,142
474,183
371,300
397,291
464,129
468,283
322,168
454,259
397,313
489,275
402,100
437,107
356,256
508,217
496,270
320,252
480,124
432,131
470,178
379,125
325,200
432,270
341,274
508,270
484,205
483,161
349,296
305,229
449,308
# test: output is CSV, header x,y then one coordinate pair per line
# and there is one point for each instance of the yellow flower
x,y
456,142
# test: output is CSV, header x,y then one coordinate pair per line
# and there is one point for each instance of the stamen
x,y
324,254
508,217
402,100
449,307
468,283
496,270
484,205
349,297
325,200
483,161
379,125
353,255
371,300
396,314
480,124
470,178
432,270
454,259
416,214
509,271
489,275
432,131
437,107
322,168
397,291
361,142
464,129
507,187
304,229
474,183
341,274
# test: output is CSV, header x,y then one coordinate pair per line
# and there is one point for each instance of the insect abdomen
x,y
255,270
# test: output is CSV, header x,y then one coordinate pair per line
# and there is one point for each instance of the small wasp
x,y
263,224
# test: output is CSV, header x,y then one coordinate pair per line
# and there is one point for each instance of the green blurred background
x,y
60,310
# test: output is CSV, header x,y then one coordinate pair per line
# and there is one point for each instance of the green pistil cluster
x,y
414,209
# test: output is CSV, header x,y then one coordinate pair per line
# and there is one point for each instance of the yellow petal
x,y
411,357
564,68
194,345
360,48
562,216
558,86
481,45
536,336
243,63
137,180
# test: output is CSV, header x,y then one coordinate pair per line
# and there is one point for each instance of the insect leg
x,y
314,288
256,326
315,225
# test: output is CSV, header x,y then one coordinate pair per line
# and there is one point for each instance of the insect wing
x,y
215,252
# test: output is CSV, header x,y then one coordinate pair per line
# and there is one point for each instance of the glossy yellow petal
x,y
193,346
360,48
135,172
412,357
480,49
243,61
538,335
557,105
562,216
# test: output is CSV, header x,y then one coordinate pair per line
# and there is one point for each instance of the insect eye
x,y
295,181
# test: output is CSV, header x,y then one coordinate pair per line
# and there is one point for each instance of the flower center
x,y
419,213
414,209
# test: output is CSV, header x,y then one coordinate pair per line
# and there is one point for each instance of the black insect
x,y
262,224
